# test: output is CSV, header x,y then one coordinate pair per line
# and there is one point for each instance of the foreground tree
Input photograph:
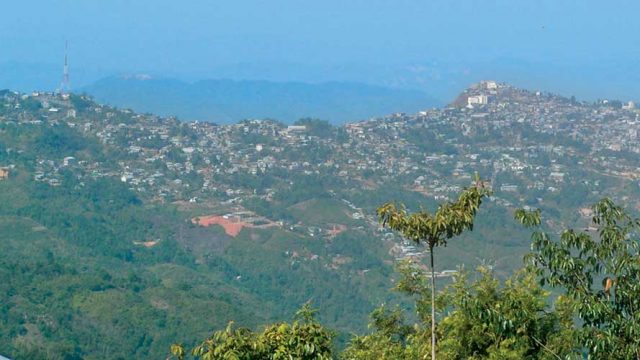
x,y
482,319
304,339
434,229
489,320
388,340
600,276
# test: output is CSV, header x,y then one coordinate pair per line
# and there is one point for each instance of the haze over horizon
x,y
582,48
348,179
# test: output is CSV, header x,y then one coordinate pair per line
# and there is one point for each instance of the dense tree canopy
x,y
600,275
303,339
481,317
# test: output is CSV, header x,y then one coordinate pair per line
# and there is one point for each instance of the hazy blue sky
x,y
182,38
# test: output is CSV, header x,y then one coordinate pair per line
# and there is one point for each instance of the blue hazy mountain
x,y
225,101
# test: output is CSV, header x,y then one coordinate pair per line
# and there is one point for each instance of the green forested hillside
x,y
593,314
73,283
77,282
102,256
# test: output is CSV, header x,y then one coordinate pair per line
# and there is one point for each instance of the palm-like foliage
x,y
434,229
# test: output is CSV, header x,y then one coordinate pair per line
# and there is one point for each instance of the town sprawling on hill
x,y
141,229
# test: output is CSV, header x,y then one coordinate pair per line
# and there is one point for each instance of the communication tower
x,y
64,85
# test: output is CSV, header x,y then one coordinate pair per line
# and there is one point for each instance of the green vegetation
x,y
482,318
304,339
450,220
321,211
100,258
578,262
316,127
74,284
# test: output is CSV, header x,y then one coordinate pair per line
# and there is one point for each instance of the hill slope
x,y
99,212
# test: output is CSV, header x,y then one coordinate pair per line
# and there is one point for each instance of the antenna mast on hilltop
x,y
64,86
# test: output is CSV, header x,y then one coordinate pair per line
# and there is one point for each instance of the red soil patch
x,y
419,189
337,229
231,226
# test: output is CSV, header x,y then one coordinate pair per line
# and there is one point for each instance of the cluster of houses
x,y
523,143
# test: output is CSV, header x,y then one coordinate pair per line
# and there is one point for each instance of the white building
x,y
490,85
477,100
296,128
69,160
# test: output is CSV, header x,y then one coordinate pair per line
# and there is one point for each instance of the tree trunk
x,y
433,306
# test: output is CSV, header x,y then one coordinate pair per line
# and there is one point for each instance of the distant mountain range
x,y
227,101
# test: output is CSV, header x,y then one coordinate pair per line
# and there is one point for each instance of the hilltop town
x,y
112,218
534,149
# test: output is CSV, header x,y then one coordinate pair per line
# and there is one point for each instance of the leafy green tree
x,y
304,339
387,342
600,276
31,105
316,127
228,344
81,103
483,319
487,320
434,229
